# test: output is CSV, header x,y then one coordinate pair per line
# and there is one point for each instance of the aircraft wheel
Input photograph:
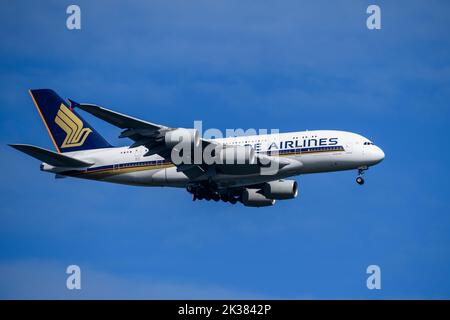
x,y
360,181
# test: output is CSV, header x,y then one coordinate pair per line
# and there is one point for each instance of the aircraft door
x,y
137,154
348,146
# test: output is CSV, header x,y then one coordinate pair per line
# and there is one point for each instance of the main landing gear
x,y
359,178
208,193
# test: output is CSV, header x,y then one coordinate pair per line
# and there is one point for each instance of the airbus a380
x,y
247,169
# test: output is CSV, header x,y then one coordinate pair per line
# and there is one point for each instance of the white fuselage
x,y
317,151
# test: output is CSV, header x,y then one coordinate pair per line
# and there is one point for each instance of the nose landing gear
x,y
359,178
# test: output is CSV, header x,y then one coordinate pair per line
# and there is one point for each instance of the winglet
x,y
73,104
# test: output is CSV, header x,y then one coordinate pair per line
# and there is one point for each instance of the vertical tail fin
x,y
68,131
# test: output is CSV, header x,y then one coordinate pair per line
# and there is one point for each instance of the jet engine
x,y
253,198
280,190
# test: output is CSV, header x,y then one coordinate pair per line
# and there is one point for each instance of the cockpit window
x,y
368,143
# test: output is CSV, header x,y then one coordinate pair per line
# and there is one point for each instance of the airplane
x,y
252,170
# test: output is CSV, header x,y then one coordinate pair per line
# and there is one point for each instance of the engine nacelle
x,y
187,138
253,198
236,155
280,190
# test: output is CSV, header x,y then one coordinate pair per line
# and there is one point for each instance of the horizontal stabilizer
x,y
50,157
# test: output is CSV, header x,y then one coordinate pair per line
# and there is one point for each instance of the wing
x,y
135,129
152,136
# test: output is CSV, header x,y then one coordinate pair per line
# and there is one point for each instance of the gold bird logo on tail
x,y
72,126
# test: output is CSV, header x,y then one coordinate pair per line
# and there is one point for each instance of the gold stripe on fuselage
x,y
108,172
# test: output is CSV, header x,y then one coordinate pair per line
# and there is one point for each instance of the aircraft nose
x,y
376,155
379,154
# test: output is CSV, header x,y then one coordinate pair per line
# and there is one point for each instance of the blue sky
x,y
291,65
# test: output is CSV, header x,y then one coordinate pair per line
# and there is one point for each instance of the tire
x,y
360,181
